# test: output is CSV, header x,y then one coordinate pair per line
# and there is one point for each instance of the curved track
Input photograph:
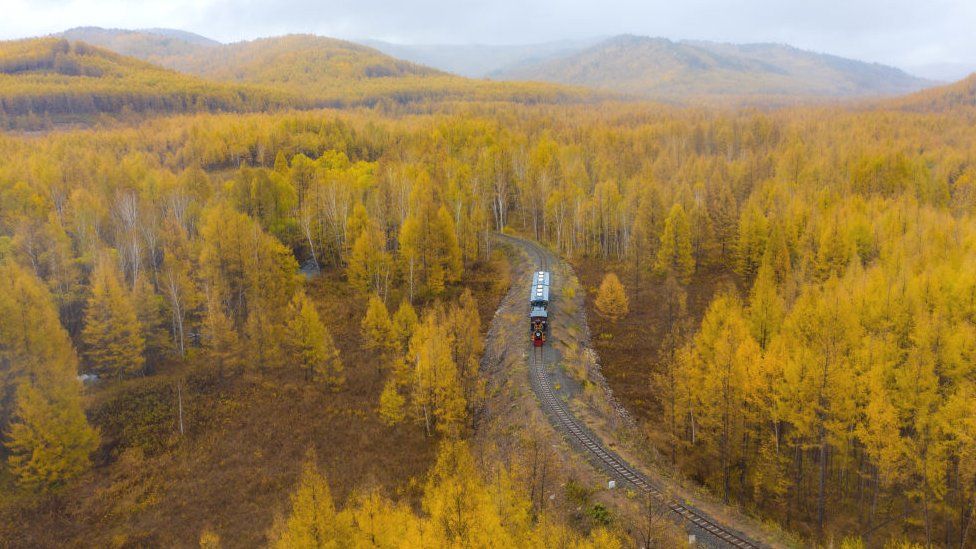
x,y
707,530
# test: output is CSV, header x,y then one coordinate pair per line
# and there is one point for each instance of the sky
x,y
904,33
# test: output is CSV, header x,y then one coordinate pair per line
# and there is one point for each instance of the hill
x,y
324,71
660,68
163,47
479,60
52,77
943,98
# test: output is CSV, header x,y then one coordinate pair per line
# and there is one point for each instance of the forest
x,y
828,384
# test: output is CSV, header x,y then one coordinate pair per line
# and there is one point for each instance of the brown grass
x,y
629,348
245,437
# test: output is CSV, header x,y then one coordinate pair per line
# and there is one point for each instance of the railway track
x,y
707,530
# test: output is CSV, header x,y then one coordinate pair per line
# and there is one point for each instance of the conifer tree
x,y
47,436
220,340
377,330
436,395
765,305
266,338
752,242
33,344
152,323
611,300
311,342
674,256
209,539
369,265
404,323
391,403
112,334
464,325
428,242
458,502
50,440
312,520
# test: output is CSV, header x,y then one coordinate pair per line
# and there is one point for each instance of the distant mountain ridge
x,y
479,60
664,69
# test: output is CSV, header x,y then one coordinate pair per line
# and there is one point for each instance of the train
x,y
539,307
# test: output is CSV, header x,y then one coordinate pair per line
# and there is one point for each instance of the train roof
x,y
538,312
541,277
539,293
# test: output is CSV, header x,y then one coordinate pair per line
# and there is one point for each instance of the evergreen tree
x,y
112,335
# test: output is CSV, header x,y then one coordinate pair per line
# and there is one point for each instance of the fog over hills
x,y
661,68
634,66
480,60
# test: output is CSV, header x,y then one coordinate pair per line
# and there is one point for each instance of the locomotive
x,y
539,308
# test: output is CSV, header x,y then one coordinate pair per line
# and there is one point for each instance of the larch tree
x,y
376,329
611,299
50,441
674,255
392,403
458,502
112,335
312,520
404,323
766,308
311,343
369,265
429,247
48,438
220,340
723,378
436,395
464,325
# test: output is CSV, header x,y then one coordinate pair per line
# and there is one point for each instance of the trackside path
x,y
707,531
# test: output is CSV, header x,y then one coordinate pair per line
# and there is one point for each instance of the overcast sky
x,y
906,33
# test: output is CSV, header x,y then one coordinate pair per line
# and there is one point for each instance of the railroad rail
x,y
706,529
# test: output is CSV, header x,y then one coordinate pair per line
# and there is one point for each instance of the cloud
x,y
892,31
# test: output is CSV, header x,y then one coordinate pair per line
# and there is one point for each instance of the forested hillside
x,y
941,99
48,79
690,71
307,71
